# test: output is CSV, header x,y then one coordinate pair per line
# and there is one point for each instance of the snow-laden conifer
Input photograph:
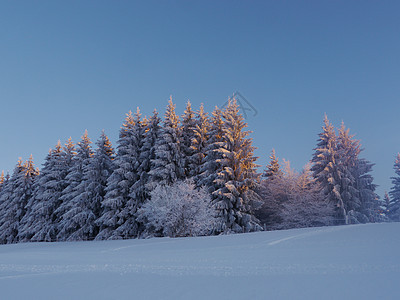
x,y
39,224
120,182
140,189
129,226
236,199
212,165
325,169
78,222
167,167
394,207
21,189
271,193
187,131
273,168
75,186
200,142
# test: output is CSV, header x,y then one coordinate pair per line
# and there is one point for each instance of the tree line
x,y
186,176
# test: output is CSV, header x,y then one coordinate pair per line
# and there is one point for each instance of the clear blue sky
x,y
67,66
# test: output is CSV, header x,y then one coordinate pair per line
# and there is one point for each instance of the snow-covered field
x,y
346,262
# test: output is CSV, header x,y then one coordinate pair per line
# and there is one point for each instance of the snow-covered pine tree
x,y
78,223
273,168
212,165
75,186
370,202
236,198
187,132
200,142
129,226
325,169
167,167
120,182
348,150
6,197
22,182
140,190
269,213
394,207
39,223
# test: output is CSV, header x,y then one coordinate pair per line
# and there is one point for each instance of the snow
x,y
343,262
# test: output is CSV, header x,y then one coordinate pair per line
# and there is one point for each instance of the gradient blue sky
x,y
67,66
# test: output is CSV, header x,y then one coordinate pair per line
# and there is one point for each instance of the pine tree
x,y
236,197
273,168
78,222
187,131
394,207
325,169
167,167
75,186
199,146
120,182
21,190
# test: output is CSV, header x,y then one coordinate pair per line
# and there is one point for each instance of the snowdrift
x,y
344,262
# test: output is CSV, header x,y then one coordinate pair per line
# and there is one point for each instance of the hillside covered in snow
x,y
343,262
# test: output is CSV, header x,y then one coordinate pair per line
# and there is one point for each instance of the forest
x,y
188,175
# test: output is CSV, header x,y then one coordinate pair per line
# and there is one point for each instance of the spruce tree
x,y
129,226
212,162
40,223
168,165
21,190
187,131
120,182
348,150
140,189
273,168
75,186
200,142
394,207
78,222
236,197
325,169
269,213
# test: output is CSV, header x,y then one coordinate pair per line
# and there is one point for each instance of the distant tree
x,y
235,199
273,168
294,200
305,205
178,210
394,206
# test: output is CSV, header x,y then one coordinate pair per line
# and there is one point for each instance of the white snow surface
x,y
344,262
